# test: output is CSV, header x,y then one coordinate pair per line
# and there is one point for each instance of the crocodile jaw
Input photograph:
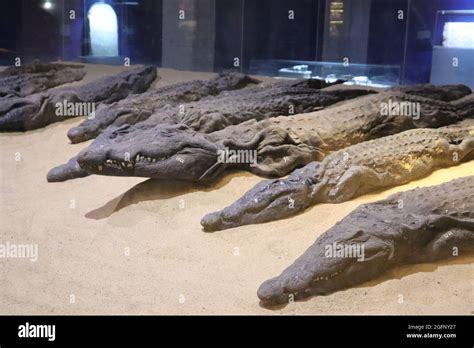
x,y
167,152
304,278
266,200
321,271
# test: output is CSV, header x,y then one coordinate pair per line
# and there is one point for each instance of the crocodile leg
x,y
350,182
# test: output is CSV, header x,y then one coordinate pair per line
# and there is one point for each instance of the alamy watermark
x,y
339,250
28,330
237,156
70,109
26,251
395,108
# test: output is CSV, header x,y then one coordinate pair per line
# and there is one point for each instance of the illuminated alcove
x,y
103,30
458,34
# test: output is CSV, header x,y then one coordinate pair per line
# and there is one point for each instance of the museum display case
x,y
358,74
453,49
251,36
328,145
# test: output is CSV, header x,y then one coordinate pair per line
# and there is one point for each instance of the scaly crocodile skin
x,y
421,225
211,113
280,144
38,110
36,77
138,108
350,172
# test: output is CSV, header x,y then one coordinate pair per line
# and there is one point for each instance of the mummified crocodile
x,y
272,147
138,108
40,109
416,226
350,172
36,77
218,113
211,114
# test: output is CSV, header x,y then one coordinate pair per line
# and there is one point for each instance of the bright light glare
x,y
458,34
103,30
47,5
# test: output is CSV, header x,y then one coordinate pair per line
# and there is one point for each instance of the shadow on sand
x,y
155,189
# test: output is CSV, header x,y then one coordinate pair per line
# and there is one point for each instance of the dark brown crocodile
x,y
350,172
416,226
40,109
214,113
36,77
138,108
277,145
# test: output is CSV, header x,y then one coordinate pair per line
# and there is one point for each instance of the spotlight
x,y
47,5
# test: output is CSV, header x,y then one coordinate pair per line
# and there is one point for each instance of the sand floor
x,y
110,245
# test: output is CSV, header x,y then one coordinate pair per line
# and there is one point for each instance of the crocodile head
x,y
269,199
162,152
345,255
106,114
178,152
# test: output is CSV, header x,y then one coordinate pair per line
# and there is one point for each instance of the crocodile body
x,y
138,108
416,226
215,113
280,144
350,172
38,110
36,77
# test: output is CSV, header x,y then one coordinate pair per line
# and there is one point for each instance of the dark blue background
x,y
254,28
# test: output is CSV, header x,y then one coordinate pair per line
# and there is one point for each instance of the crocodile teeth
x,y
137,158
99,168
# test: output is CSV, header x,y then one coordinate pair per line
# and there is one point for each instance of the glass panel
x,y
424,34
380,42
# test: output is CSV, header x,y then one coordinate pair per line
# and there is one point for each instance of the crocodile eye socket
x,y
455,141
117,133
